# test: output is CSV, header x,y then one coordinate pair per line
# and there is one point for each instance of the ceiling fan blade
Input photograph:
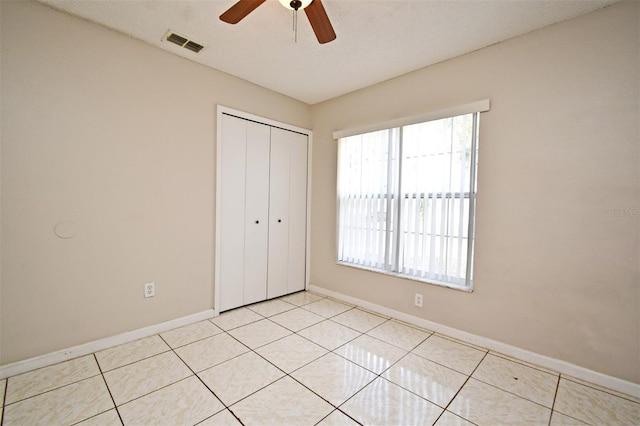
x,y
320,22
238,11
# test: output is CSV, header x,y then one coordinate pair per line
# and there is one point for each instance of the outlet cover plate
x,y
149,289
418,300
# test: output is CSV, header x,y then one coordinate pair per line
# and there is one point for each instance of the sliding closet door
x,y
287,212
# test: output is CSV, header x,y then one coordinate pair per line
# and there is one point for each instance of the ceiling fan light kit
x,y
314,10
295,4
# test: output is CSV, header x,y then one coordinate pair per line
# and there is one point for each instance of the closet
x,y
261,205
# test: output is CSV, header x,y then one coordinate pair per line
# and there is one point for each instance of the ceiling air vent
x,y
183,42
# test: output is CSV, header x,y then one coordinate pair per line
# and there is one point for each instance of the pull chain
x,y
295,26
295,5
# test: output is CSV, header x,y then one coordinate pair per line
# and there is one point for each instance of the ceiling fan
x,y
313,8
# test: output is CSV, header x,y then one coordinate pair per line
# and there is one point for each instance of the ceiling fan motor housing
x,y
313,9
295,4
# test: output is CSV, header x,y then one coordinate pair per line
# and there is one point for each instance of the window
x,y
406,200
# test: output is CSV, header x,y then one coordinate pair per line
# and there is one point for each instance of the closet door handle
x,y
257,221
279,220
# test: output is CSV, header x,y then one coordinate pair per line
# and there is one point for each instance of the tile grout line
x,y
200,379
361,333
335,408
4,400
460,390
285,374
443,365
377,375
488,353
150,392
49,390
555,395
460,342
444,409
331,351
250,350
59,387
136,361
523,363
553,410
104,380
328,351
162,387
621,395
512,393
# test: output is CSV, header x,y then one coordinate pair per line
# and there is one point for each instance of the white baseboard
x,y
19,367
554,364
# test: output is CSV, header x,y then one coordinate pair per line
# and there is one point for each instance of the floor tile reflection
x,y
334,378
385,403
372,354
427,379
329,334
304,359
449,353
399,335
359,320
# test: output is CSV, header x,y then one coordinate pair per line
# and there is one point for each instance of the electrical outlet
x,y
149,289
418,300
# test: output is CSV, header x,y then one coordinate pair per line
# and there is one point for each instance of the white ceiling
x,y
376,39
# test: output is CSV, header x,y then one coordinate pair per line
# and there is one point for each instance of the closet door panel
x,y
262,212
277,277
256,223
288,202
297,212
232,207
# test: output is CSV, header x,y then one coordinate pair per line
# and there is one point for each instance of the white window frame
x,y
390,267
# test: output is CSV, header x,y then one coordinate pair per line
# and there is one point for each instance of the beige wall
x,y
119,137
553,273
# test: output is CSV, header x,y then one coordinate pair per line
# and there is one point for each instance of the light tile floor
x,y
304,359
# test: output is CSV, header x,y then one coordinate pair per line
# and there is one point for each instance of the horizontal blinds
x,y
477,106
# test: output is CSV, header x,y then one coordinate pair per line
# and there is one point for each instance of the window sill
x,y
409,277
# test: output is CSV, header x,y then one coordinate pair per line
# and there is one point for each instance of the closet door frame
x,y
221,109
